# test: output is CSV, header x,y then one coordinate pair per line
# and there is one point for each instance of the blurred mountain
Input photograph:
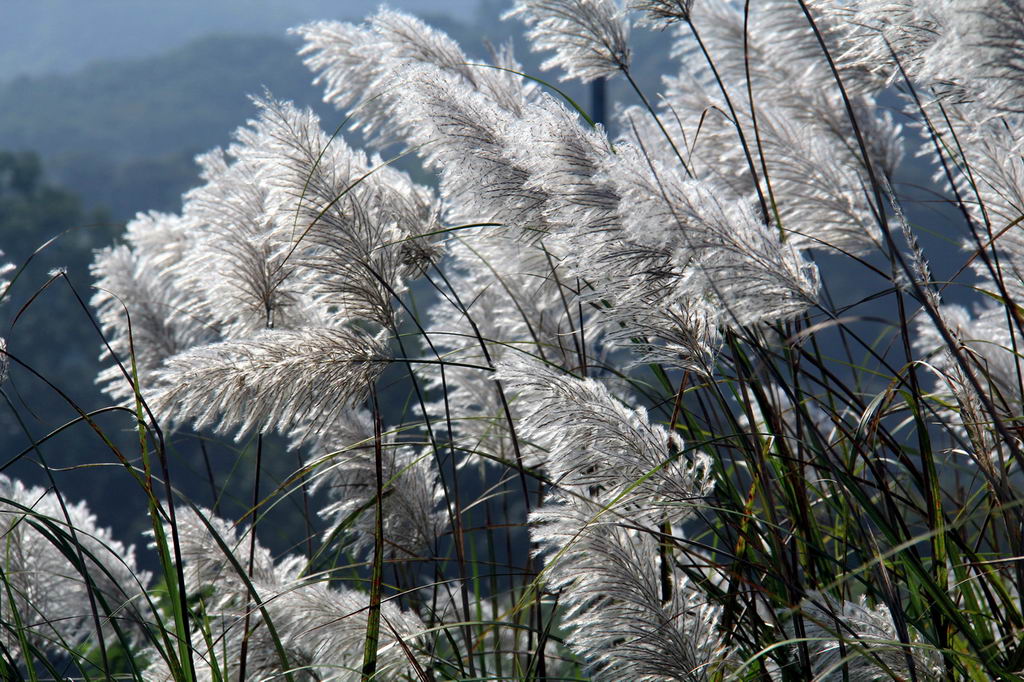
x,y
123,133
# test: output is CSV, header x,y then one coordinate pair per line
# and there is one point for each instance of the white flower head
x,y
863,639
661,13
594,441
589,37
5,269
275,380
46,587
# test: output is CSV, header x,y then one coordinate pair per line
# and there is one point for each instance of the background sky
x,y
61,36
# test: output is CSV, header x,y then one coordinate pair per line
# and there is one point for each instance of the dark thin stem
x,y
242,656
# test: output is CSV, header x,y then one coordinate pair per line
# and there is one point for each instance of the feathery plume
x,y
337,52
862,639
353,224
271,381
958,50
465,136
589,37
204,564
43,582
321,628
612,585
785,103
140,306
534,171
992,350
594,442
712,251
563,157
517,297
662,13
343,460
234,271
986,177
5,269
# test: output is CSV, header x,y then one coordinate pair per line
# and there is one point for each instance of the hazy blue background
x,y
61,36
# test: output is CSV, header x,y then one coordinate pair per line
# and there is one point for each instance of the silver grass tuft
x,y
662,13
712,250
343,463
140,306
327,627
870,649
534,171
563,157
992,350
648,316
964,59
593,442
520,297
272,381
469,139
290,230
233,269
718,258
960,50
351,225
5,269
321,628
338,53
986,176
410,42
45,587
204,564
802,137
610,580
642,301
589,37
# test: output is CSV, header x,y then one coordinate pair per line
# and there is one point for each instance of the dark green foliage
x,y
123,134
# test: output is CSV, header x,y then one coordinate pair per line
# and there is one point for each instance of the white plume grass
x,y
619,621
621,423
353,223
662,13
400,41
272,381
321,629
55,597
592,442
589,37
344,463
139,305
852,640
712,250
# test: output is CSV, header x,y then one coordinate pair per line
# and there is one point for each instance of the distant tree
x,y
19,172
44,326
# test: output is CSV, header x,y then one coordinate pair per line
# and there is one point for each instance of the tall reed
x,y
679,402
